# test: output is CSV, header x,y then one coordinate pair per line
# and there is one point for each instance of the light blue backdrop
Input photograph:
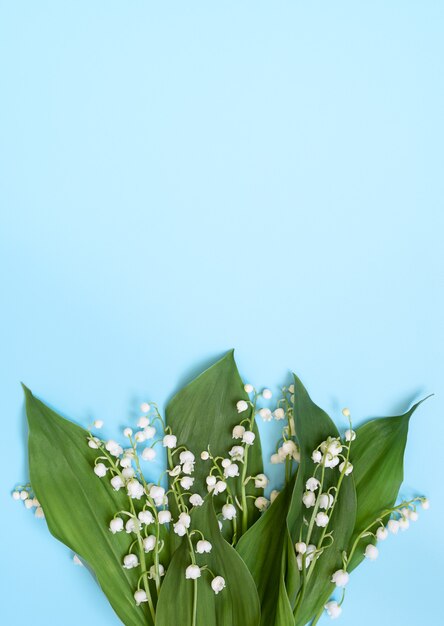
x,y
181,178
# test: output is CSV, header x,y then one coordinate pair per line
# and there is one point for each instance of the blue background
x,y
180,178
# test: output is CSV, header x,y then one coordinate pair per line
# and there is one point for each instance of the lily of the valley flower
x,y
116,525
164,517
149,543
321,520
100,470
146,517
134,489
249,437
350,435
238,432
203,546
130,561
393,526
196,500
157,493
316,456
340,578
143,422
231,471
117,483
169,441
326,501
312,484
371,552
140,596
148,454
261,481
382,533
261,503
333,609
273,495
346,467
266,415
217,584
241,406
219,487
192,572
228,511
187,482
279,414
309,499
237,453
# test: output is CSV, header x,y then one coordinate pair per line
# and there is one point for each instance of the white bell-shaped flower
x,y
261,481
148,454
146,517
192,572
140,596
164,517
218,584
203,546
261,503
116,525
241,406
196,500
249,437
130,561
371,552
228,511
100,470
169,441
149,543
238,432
333,609
134,489
321,520
340,578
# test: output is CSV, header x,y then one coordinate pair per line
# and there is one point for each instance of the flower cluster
x,y
25,494
225,482
390,522
148,503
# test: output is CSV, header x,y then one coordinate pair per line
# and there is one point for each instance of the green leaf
x,y
78,505
237,605
264,550
203,414
377,455
313,426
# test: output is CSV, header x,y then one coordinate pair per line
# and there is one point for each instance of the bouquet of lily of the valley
x,y
206,544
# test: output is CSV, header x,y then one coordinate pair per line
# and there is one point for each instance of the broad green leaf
x,y
264,550
78,505
203,414
313,426
237,605
377,455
